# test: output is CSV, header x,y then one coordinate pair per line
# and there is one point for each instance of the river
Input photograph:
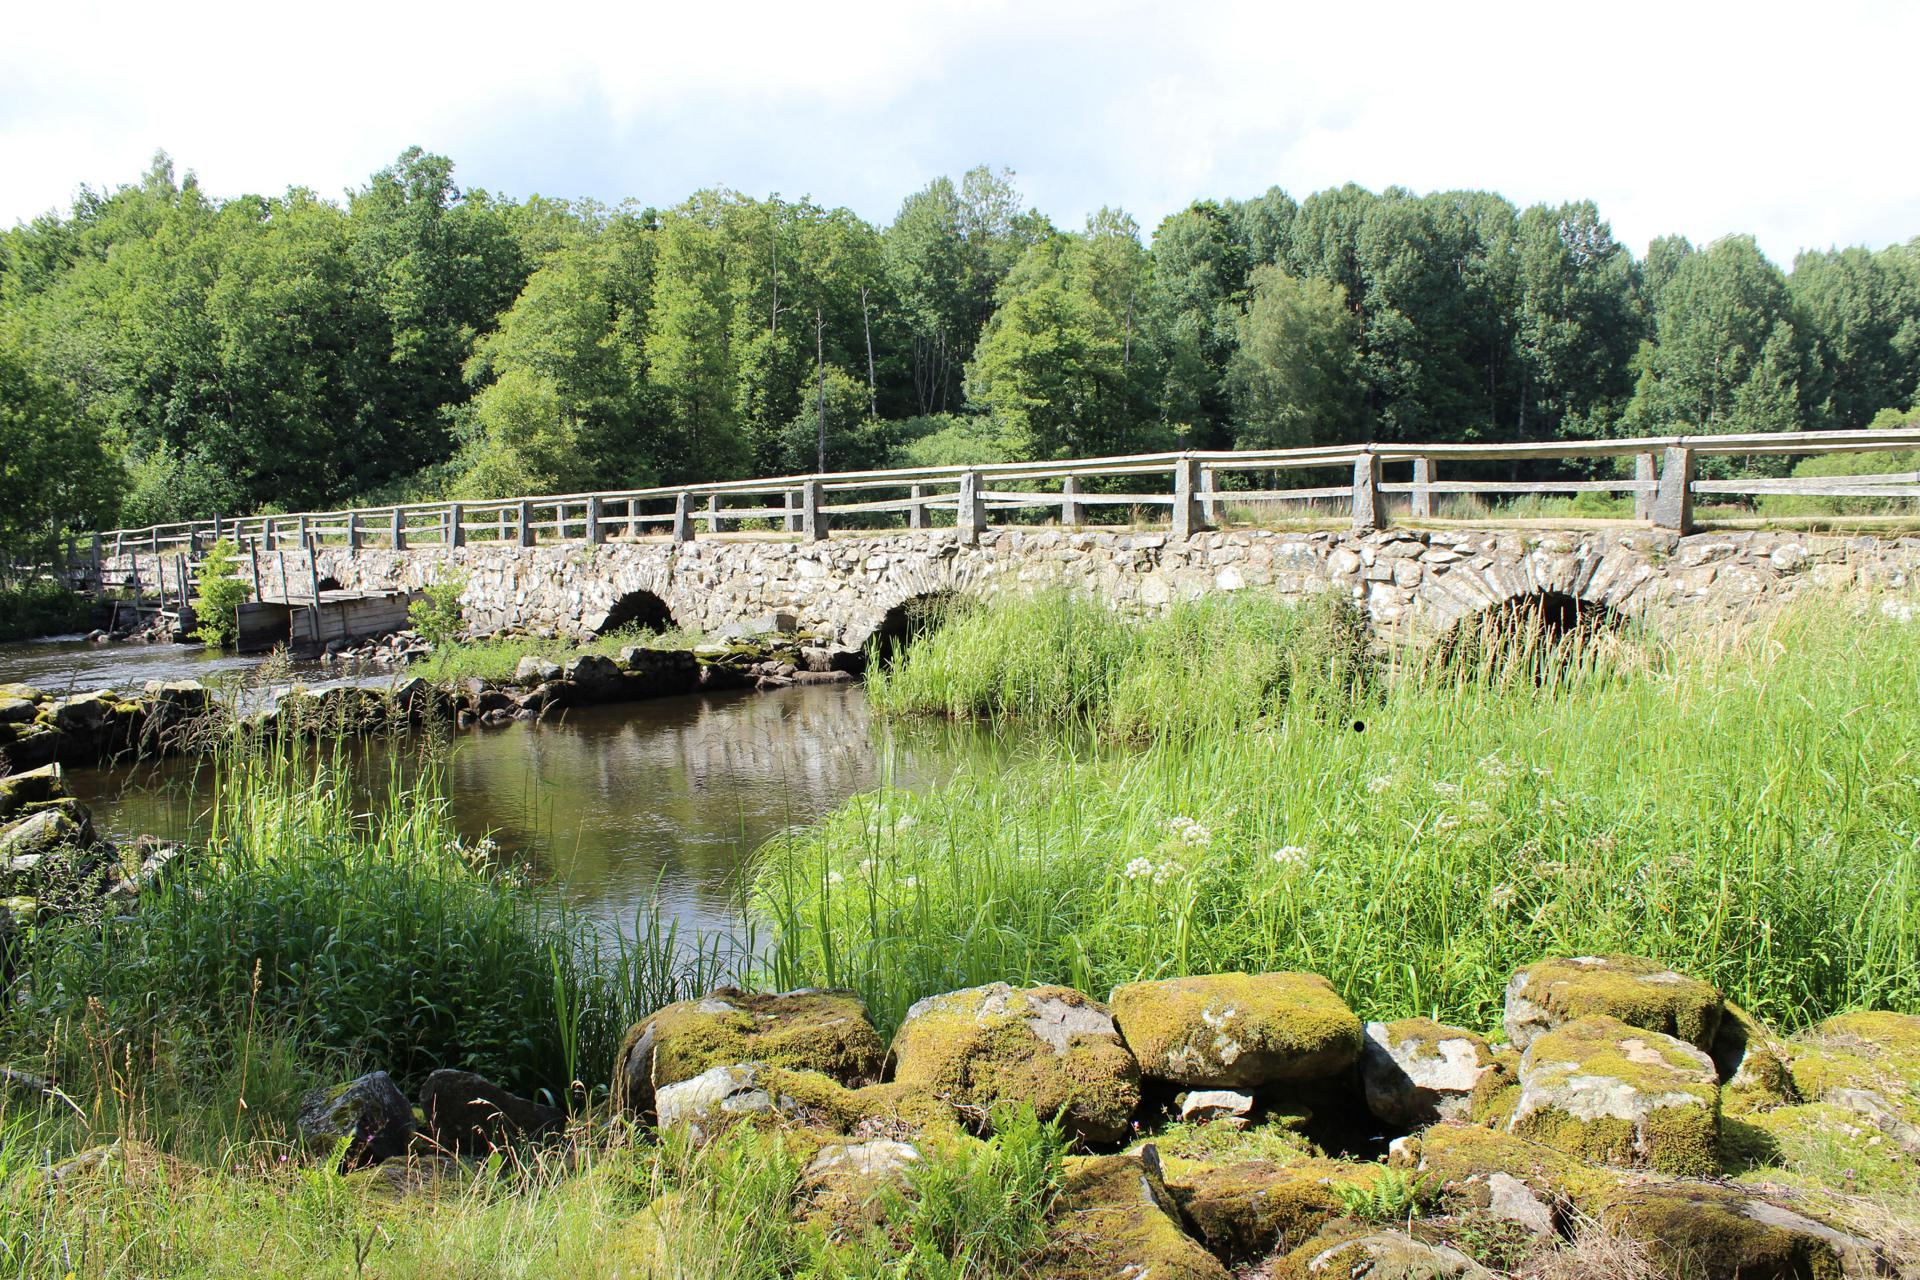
x,y
625,809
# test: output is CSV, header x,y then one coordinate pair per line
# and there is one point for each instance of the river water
x,y
625,809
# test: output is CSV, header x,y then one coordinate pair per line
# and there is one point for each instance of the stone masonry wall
x,y
1414,583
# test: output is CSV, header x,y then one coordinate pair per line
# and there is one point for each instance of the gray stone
x,y
38,835
470,1114
536,670
880,1158
370,1115
713,1099
1216,1104
33,786
1391,1255
1416,1071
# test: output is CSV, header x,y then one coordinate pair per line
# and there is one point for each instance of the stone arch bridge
x,y
1414,584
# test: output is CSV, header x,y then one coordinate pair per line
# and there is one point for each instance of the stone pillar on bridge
x,y
793,511
1368,511
1421,505
1673,502
526,524
1189,508
1072,514
813,520
917,513
456,517
596,530
970,512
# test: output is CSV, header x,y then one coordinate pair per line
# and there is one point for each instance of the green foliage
x,y
1734,806
55,474
41,607
436,615
495,658
1291,371
1393,1195
221,592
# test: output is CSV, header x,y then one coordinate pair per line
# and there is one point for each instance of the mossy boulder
x,y
1855,1142
1416,1071
1346,1250
1639,992
1117,1221
367,1120
719,1097
1622,1095
30,787
1244,1212
469,1113
845,1186
823,1031
1464,1159
1715,1232
36,836
1753,1064
1876,1053
1051,1047
1497,1091
1238,1030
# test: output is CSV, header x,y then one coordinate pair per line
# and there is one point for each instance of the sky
x,y
1794,123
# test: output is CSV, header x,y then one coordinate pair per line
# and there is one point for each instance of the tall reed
x,y
1739,804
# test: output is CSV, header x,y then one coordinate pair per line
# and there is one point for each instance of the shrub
x,y
40,607
217,607
436,615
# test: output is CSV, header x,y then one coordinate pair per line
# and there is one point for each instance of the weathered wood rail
x,y
1188,485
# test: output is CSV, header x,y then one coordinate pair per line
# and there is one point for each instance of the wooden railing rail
x,y
1663,485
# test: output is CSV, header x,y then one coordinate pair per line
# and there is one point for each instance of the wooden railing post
x,y
1189,514
1072,514
399,529
1644,474
526,523
970,514
456,518
353,530
1421,505
1673,503
1368,512
793,511
268,534
99,571
917,513
813,521
596,531
1209,505
713,513
306,535
683,517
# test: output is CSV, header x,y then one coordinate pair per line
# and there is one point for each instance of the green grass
x,y
369,937
1741,805
493,659
1209,666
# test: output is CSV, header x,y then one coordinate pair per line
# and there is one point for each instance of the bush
x,y
437,615
41,607
217,607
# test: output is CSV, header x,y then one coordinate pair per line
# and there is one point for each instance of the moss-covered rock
x,y
1848,1148
1116,1221
1051,1047
1606,1091
1417,1071
1246,1211
1639,992
1497,1092
1719,1233
1463,1158
845,1186
823,1031
368,1120
1238,1030
1752,1062
30,787
1876,1053
719,1097
1346,1250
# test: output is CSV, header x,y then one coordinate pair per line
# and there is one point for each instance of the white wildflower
x,y
1138,868
1502,896
1446,822
1293,857
487,846
834,877
1477,809
1379,784
1165,872
1446,788
904,822
1187,831
865,867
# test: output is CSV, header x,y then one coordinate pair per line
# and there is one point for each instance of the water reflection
x,y
630,806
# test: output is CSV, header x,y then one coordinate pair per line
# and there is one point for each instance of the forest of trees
x,y
165,355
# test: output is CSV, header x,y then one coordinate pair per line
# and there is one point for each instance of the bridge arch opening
x,y
637,609
329,584
1534,632
915,617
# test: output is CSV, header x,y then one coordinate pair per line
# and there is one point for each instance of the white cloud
x,y
1701,119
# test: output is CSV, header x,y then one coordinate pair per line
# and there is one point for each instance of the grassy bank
x,y
1740,805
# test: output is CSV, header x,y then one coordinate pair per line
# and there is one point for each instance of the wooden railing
x,y
1187,484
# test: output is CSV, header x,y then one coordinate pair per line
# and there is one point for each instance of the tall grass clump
x,y
1739,804
345,914
1061,659
494,658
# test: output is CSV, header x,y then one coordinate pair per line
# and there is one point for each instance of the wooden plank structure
x,y
1195,489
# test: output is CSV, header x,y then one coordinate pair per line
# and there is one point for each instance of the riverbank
x,y
1736,813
